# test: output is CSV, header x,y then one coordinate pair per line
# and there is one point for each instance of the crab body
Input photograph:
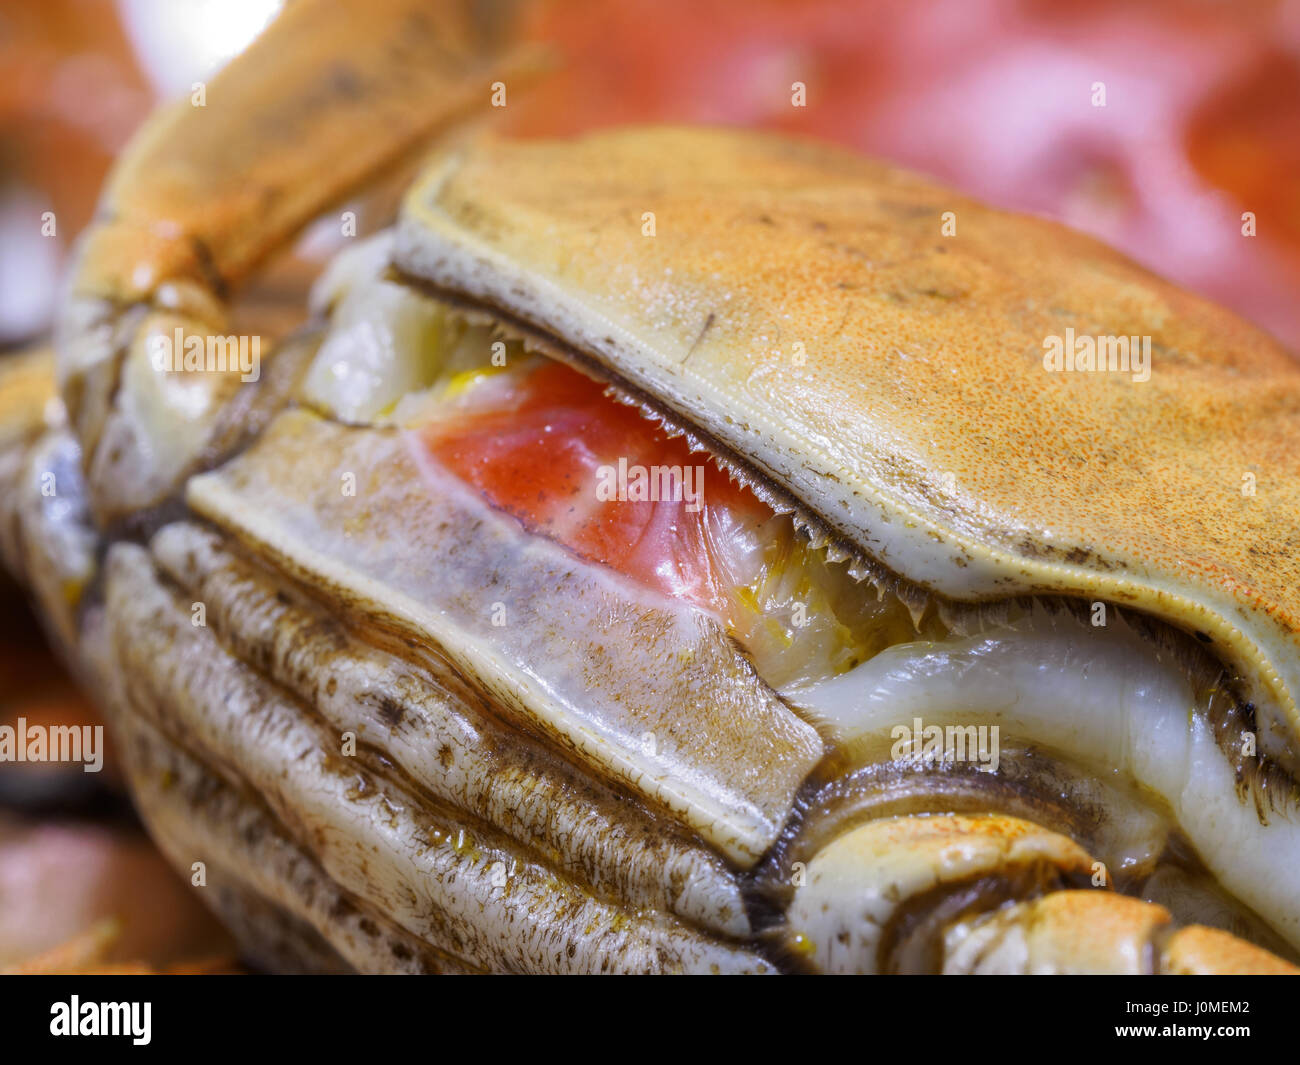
x,y
422,640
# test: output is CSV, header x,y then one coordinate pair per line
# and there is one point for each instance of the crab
x,y
661,550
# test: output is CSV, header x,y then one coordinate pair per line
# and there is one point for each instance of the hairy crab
x,y
664,550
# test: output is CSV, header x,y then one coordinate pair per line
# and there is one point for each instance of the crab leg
x,y
46,539
986,893
1098,932
327,99
251,865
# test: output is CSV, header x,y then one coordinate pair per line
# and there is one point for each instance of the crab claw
x,y
1098,932
988,894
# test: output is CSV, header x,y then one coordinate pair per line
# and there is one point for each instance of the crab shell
x,y
366,780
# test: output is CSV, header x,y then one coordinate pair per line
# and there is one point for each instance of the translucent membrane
x,y
547,445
